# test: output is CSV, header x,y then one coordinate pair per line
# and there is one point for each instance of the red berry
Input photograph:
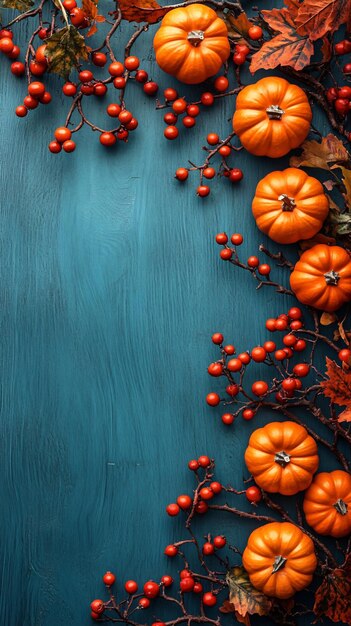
x,y
248,414
206,493
226,254
182,173
36,89
100,89
222,238
189,121
6,45
198,588
125,116
344,92
242,47
221,83
281,324
179,106
17,68
219,542
4,33
97,606
151,589
229,349
217,338
332,94
213,399
341,104
170,119
193,110
131,63
259,388
171,132
69,89
109,579
185,573
15,52
86,76
133,124
78,17
69,145
62,133
339,48
300,345
234,365
150,88
172,509
43,33
345,355
225,151
171,550
288,384
113,109
215,369
269,346
131,586
239,58
235,175
346,69
258,354
280,355
227,418
184,502
212,139
264,269
201,508
208,548
216,487
289,340
204,460
94,615
209,599
270,324
21,111
301,369
207,99
253,494
255,33
166,580
347,45
141,76
296,325
187,584
170,94
232,390
55,147
244,358
209,172
69,4
122,134
253,261
87,89
236,239
203,191
30,102
116,68
108,139
144,603
99,59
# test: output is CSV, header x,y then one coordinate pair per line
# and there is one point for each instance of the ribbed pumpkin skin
x,y
273,216
263,136
177,56
279,539
308,280
319,503
270,475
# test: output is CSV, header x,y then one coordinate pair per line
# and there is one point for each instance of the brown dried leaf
x,y
333,597
314,154
64,49
306,244
327,318
238,27
345,416
142,10
20,5
338,385
326,49
245,599
346,179
321,17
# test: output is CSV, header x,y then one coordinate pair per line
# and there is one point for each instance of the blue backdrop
x,y
111,287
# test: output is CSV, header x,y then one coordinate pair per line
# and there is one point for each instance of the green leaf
x,y
64,49
340,222
20,5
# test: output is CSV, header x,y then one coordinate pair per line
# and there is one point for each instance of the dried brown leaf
x,y
142,10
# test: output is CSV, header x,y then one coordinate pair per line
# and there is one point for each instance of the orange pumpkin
x,y
279,559
322,277
272,117
192,43
290,205
327,504
282,457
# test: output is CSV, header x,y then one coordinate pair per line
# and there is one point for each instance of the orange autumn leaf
x,y
238,27
338,388
91,10
288,48
333,597
141,10
320,17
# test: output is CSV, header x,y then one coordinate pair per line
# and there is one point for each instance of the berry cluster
x,y
340,98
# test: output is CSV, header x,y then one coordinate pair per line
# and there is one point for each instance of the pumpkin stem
x,y
279,562
341,507
332,278
288,204
282,458
274,112
195,37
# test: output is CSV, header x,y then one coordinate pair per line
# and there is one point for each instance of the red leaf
x,y
338,388
333,597
320,17
141,10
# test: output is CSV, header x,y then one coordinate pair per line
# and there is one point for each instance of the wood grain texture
x,y
111,287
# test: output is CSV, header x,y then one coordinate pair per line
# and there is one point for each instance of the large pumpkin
x,y
290,205
192,43
282,457
322,277
272,117
279,559
327,503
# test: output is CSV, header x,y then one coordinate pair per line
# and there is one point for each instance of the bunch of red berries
x,y
340,97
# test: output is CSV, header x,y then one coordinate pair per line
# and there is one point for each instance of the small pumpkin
x,y
272,117
322,277
282,457
327,503
290,205
192,43
279,559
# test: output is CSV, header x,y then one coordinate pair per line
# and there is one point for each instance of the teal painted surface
x,y
111,287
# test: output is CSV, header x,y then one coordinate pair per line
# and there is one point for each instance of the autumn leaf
x,y
245,599
141,10
320,17
238,26
338,387
339,223
288,48
346,179
91,10
315,154
327,318
64,49
306,244
333,597
326,49
20,5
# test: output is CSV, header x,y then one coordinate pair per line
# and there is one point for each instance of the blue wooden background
x,y
111,287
